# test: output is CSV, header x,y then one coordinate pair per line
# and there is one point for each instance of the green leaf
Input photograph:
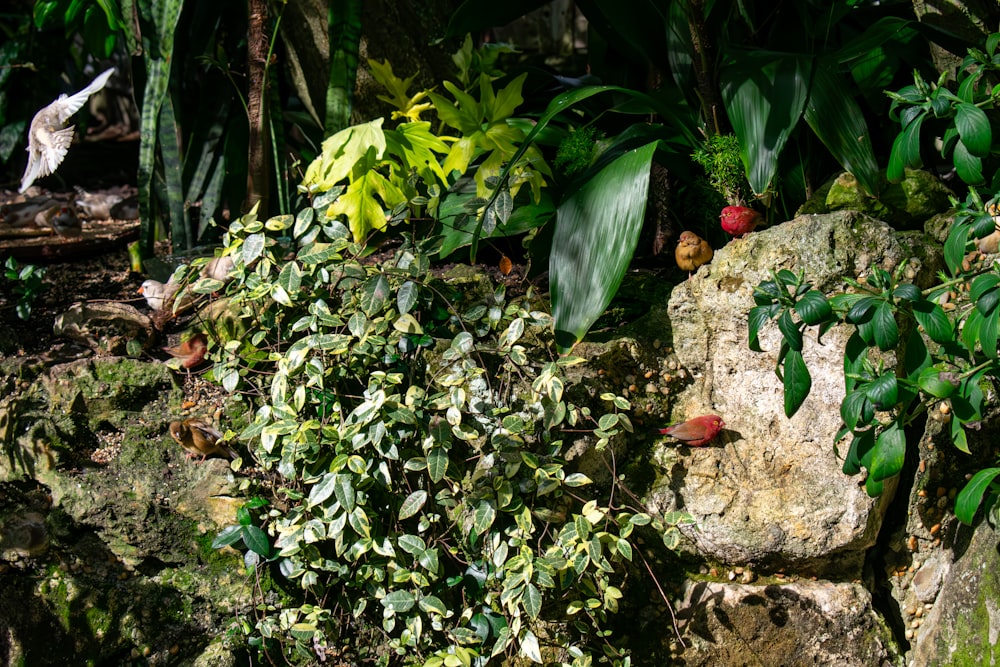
x,y
253,247
839,123
856,408
229,535
759,315
437,463
931,382
890,451
974,128
860,453
934,321
886,329
954,246
596,232
375,295
790,330
343,489
883,391
764,94
406,297
905,150
797,382
399,601
968,166
413,504
484,516
529,647
813,308
971,497
532,601
256,541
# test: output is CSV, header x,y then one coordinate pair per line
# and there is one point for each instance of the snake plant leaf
x,y
596,232
765,94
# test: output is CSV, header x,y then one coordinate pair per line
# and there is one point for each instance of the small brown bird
x,y
199,437
218,268
48,136
191,352
692,251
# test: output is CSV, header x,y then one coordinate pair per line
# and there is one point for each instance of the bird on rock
x,y
199,437
692,251
739,220
48,136
695,432
191,352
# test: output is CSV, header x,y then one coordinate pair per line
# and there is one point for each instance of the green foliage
x,y
420,446
99,23
719,156
27,284
577,151
942,358
967,137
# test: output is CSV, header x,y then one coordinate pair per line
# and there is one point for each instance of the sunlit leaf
x,y
971,496
597,229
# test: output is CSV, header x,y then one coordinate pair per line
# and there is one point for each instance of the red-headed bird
x,y
738,220
695,432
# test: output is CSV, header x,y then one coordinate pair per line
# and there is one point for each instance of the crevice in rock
x,y
880,561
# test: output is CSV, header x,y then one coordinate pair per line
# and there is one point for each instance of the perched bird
x,y
199,437
191,352
695,432
218,268
48,136
738,220
692,251
96,205
64,221
160,296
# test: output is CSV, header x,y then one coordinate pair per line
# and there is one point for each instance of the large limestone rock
x,y
771,492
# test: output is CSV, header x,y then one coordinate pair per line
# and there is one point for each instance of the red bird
x,y
695,432
191,352
738,220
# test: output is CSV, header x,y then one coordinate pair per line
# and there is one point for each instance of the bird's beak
x,y
139,290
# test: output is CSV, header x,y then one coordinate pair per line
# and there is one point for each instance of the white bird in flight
x,y
49,138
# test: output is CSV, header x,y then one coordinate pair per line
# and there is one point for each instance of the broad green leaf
x,y
406,297
253,247
341,152
765,94
399,601
791,331
860,453
931,382
375,295
838,122
323,490
437,463
256,541
856,408
365,202
343,489
890,450
886,329
968,166
413,504
883,391
597,229
974,128
759,315
290,279
905,150
532,601
229,535
954,246
813,307
971,497
484,516
797,382
529,647
934,321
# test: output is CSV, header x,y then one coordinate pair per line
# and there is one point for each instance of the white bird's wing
x,y
68,106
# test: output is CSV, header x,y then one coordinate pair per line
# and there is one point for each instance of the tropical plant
x,y
948,358
427,511
27,282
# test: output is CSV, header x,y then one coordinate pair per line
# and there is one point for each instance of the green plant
x,y
941,358
28,284
420,444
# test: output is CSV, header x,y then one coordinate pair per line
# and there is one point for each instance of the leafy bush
x,y
947,357
27,281
419,444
